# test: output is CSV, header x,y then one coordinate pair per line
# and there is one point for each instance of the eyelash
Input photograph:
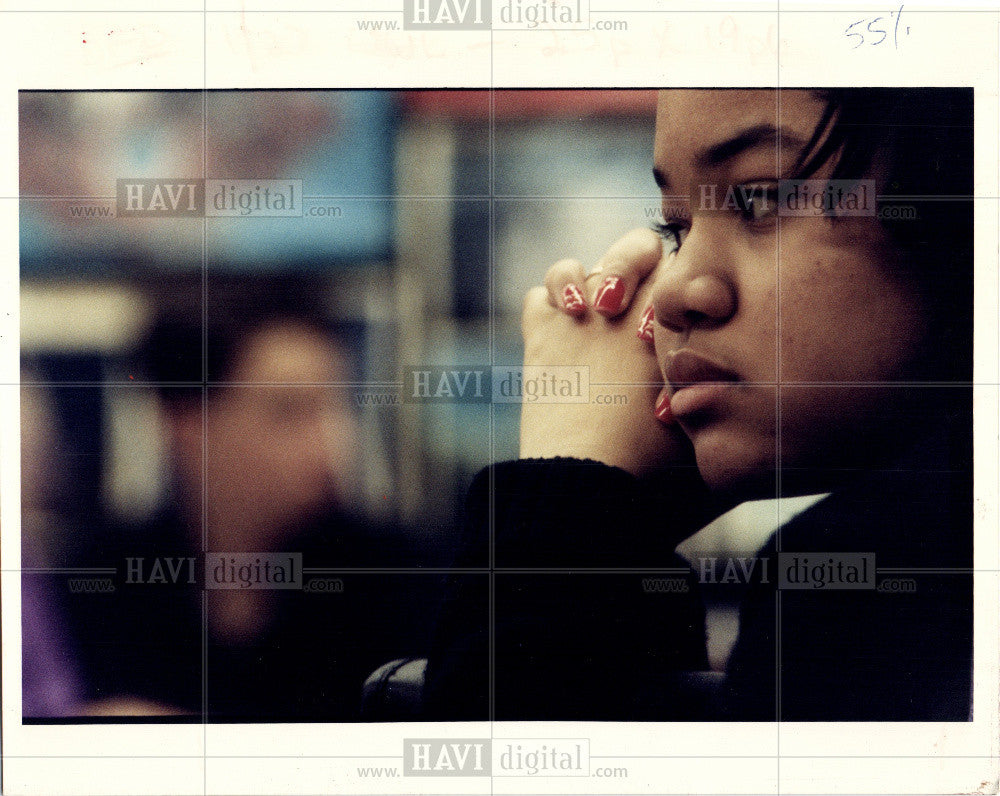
x,y
671,232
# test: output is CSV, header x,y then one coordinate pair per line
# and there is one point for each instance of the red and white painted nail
x,y
573,299
662,410
609,297
646,325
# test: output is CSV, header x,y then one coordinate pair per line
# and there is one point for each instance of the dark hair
x,y
200,331
921,139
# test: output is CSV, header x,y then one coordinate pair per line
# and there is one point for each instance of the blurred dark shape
x,y
264,133
263,440
50,682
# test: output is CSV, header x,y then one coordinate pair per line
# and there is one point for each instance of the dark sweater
x,y
574,635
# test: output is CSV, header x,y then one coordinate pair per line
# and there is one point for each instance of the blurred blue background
x,y
441,209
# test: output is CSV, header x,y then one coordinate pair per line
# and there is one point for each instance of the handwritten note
x,y
876,31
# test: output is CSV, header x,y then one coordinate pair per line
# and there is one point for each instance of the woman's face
x,y
783,339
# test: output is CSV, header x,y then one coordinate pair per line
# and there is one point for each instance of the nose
x,y
695,290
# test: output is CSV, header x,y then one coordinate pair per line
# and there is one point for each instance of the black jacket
x,y
575,635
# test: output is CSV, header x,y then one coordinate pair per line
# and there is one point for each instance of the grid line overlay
x,y
492,199
205,613
777,415
491,569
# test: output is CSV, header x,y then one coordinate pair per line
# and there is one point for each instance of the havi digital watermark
x,y
483,757
496,14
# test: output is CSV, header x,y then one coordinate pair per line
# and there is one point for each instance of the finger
x,y
661,409
624,266
536,305
645,332
644,298
564,282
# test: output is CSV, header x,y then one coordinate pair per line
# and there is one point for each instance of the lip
x,y
696,382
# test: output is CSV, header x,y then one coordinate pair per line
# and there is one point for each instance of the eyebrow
x,y
750,138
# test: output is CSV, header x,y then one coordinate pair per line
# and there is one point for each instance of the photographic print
x,y
503,397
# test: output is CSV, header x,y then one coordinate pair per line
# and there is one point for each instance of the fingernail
x,y
573,299
662,410
646,325
609,297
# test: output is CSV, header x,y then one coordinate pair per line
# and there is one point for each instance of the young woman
x,y
786,345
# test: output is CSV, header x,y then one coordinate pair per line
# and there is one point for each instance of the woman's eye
x,y
673,234
756,202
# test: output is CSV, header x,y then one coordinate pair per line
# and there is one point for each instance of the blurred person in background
x,y
264,454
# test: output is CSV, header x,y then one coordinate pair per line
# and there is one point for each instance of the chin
x,y
735,470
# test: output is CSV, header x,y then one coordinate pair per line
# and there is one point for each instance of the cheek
x,y
842,321
754,337
814,315
246,452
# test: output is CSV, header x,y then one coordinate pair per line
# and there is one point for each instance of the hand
x,y
595,323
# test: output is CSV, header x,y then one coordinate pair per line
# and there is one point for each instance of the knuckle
x,y
564,270
645,244
636,251
535,301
